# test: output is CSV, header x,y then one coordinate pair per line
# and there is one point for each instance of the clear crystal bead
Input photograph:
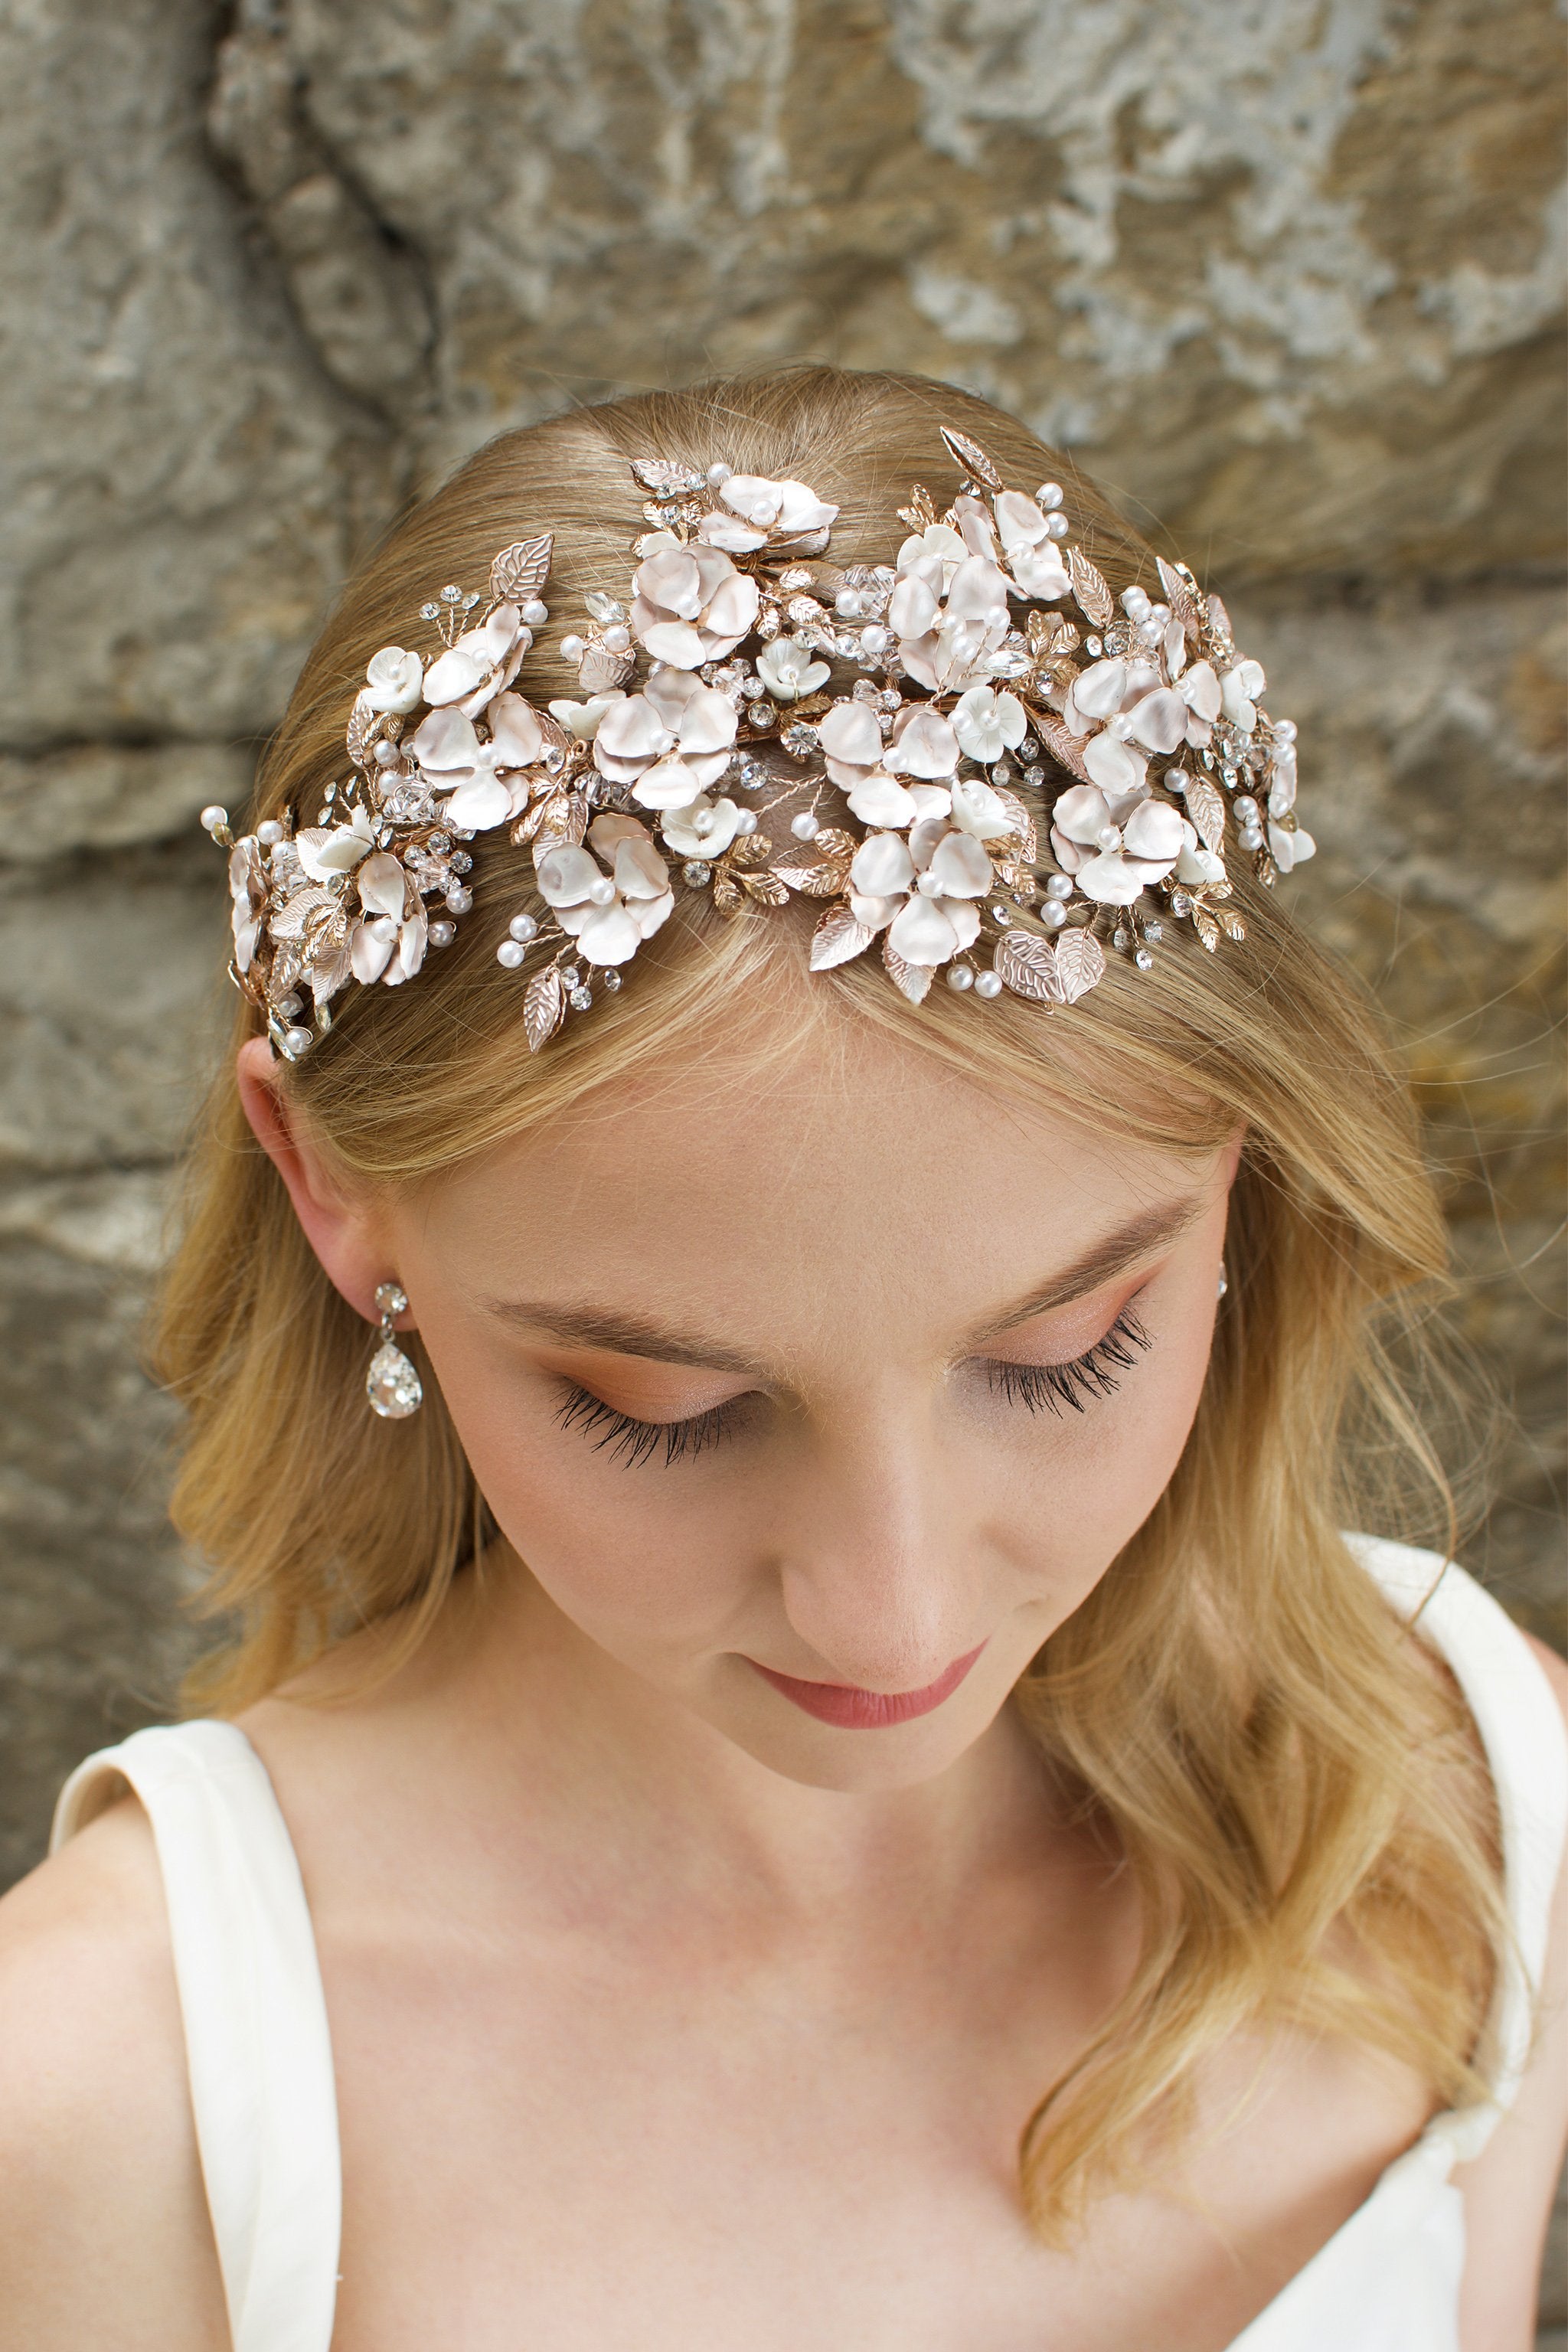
x,y
391,1299
581,999
392,1385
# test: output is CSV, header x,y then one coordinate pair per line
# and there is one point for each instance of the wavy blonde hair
x,y
1295,1789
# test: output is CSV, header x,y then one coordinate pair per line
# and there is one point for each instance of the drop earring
x,y
392,1384
1223,1283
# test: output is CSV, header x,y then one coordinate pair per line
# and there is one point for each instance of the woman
x,y
812,1766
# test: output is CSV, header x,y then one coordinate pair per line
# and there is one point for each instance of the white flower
x,y
473,670
1240,689
979,810
851,743
1196,863
394,679
669,742
325,852
608,914
787,670
987,723
761,509
1114,765
581,718
1158,721
453,758
689,603
1199,690
1034,558
923,743
388,943
704,829
945,635
920,891
1115,847
1289,849
248,888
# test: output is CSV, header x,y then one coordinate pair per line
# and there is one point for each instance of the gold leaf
x,y
1181,595
815,881
364,726
1231,924
728,895
834,842
1062,743
520,571
665,474
305,911
913,979
1207,928
544,1007
1027,965
1023,823
920,514
766,888
1089,585
599,670
838,937
973,458
1081,961
1206,810
750,849
562,819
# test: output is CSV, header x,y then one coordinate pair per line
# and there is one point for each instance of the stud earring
x,y
392,1384
1223,1283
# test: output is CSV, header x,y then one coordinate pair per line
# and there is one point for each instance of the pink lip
x,y
854,1709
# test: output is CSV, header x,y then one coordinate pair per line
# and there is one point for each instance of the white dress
x,y
260,2054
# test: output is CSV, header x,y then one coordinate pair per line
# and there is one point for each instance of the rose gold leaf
x,y
1266,870
1023,823
564,819
599,670
1062,743
307,908
520,571
838,937
1231,924
913,979
1081,961
815,881
728,895
544,1007
920,514
665,474
766,888
971,457
834,842
1182,597
1207,928
1089,585
364,726
1027,965
751,849
1206,810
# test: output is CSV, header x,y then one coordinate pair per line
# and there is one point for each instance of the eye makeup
x,y
1047,1388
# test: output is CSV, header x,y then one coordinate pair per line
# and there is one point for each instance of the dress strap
x,y
1526,1743
261,2060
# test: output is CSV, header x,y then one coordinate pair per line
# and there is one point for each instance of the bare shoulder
x,y
103,2229
1508,2188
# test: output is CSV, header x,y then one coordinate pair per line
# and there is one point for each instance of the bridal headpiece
x,y
1026,769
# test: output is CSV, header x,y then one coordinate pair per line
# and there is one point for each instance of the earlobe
x,y
337,1228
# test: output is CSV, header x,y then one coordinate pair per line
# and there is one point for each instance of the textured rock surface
x,y
1285,276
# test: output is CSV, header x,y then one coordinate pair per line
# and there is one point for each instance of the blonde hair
x,y
1234,1699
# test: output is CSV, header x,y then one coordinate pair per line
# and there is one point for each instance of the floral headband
x,y
1001,689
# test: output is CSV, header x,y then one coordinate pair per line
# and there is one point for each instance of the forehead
x,y
780,1197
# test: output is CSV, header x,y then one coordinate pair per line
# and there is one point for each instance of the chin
x,y
818,1756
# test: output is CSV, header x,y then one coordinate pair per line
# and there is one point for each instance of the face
x,y
816,1393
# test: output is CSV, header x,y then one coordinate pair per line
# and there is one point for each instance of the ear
x,y
344,1229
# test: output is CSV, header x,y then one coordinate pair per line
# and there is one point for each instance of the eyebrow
x,y
625,1334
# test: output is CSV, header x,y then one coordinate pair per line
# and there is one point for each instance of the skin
x,y
663,2012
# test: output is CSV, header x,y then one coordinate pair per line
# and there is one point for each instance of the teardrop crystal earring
x,y
1223,1283
392,1384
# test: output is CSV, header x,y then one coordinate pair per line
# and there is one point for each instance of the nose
x,y
875,1560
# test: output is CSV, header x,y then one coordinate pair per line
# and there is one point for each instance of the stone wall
x,y
1286,277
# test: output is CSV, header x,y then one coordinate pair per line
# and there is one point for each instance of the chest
x,y
586,2156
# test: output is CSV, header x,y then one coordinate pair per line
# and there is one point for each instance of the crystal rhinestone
x,y
1053,914
429,612
1143,960
323,816
451,595
1154,933
1059,885
391,1299
1227,778
472,598
800,739
1035,776
603,606
392,1385
554,757
511,953
987,983
695,873
458,899
1180,904
1050,495
1121,938
1094,646
805,827
571,977
609,982
442,933
1028,749
1000,915
960,977
1001,773
524,928
461,861
439,844
297,1041
580,998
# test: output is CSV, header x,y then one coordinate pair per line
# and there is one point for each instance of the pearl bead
x,y
747,821
719,475
849,604
460,900
960,977
290,1007
1057,525
1059,887
602,893
442,933
617,638
1108,838
535,613
1245,807
804,826
269,834
511,953
298,1041
1284,731
1050,495
1135,604
523,926
386,754
1053,914
572,646
1250,837
212,817
876,640
988,984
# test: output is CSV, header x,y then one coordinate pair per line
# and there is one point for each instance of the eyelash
x,y
1045,1387
1038,1388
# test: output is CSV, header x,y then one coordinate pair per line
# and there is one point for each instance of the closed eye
x,y
631,1442
1047,1388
